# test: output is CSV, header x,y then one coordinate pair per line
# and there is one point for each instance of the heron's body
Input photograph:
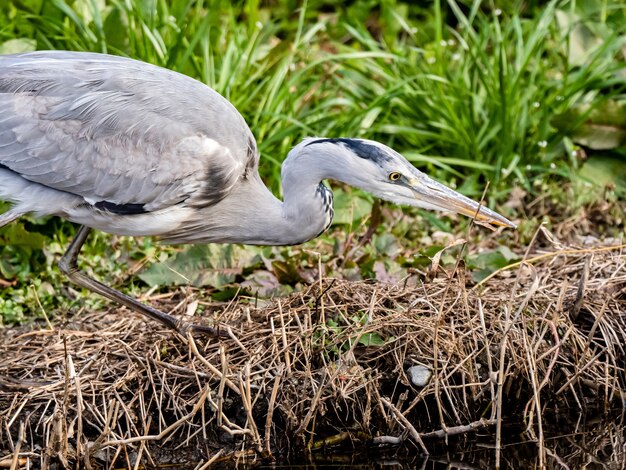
x,y
133,149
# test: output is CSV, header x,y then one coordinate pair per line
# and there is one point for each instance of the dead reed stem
x,y
323,367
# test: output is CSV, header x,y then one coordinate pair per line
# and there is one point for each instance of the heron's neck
x,y
252,215
305,212
307,208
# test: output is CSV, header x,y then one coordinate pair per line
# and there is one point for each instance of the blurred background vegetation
x,y
525,95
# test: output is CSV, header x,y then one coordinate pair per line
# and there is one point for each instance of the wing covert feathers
x,y
117,130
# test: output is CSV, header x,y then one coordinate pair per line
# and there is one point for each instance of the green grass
x,y
466,91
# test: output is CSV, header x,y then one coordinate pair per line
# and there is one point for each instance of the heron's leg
x,y
68,266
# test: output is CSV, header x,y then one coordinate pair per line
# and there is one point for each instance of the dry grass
x,y
298,374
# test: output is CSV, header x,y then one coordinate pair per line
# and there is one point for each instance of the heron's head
x,y
385,173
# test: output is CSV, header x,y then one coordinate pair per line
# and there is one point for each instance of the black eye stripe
x,y
361,149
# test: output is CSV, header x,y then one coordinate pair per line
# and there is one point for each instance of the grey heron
x,y
130,148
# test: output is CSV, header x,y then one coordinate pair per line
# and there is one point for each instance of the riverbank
x,y
341,363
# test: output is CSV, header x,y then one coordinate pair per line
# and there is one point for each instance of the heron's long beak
x,y
441,197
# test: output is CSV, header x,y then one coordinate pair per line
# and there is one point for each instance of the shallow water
x,y
603,446
570,442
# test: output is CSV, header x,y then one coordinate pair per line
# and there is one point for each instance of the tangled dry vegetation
x,y
325,367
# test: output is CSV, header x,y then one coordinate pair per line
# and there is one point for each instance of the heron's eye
x,y
394,176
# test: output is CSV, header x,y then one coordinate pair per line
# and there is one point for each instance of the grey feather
x,y
108,128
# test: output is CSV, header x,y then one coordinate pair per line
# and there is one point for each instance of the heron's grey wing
x,y
119,131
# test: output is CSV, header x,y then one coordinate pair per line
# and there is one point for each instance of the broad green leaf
x,y
7,269
350,207
286,271
264,284
386,244
599,127
582,40
116,28
201,265
371,339
16,235
89,10
487,262
16,46
605,171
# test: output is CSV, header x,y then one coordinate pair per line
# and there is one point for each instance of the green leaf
x,y
286,271
371,339
16,46
386,244
350,207
201,265
487,262
265,284
582,40
116,29
7,269
16,235
597,126
605,171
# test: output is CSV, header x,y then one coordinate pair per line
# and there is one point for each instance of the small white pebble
x,y
419,375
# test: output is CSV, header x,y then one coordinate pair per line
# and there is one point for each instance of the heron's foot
x,y
183,327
